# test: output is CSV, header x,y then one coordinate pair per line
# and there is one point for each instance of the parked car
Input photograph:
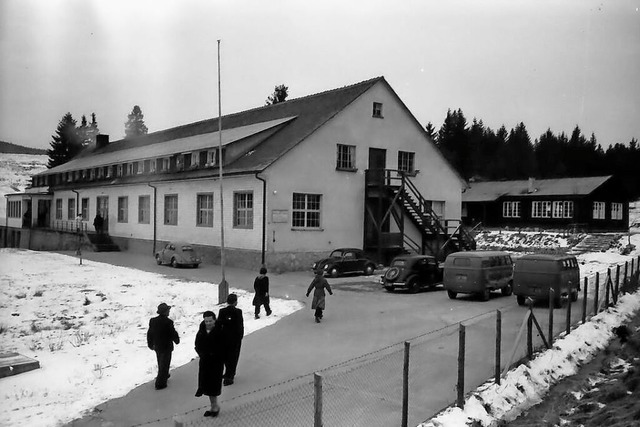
x,y
345,260
478,272
178,254
534,275
412,272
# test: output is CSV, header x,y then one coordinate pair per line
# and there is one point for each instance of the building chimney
x,y
102,140
530,188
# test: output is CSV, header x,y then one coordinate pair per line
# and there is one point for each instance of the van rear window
x,y
462,262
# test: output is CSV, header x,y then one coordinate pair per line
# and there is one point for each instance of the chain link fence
x,y
407,383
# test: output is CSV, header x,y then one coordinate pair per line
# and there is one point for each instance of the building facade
x,y
293,187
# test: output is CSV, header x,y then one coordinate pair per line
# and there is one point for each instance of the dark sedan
x,y
345,261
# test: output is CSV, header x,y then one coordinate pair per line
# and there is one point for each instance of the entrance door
x,y
44,208
102,207
377,163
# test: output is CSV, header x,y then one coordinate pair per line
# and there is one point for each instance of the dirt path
x,y
604,393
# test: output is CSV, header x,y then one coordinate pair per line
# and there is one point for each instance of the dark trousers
x,y
231,356
164,361
319,313
266,308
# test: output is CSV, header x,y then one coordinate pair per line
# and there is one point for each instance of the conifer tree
x,y
279,95
135,124
66,143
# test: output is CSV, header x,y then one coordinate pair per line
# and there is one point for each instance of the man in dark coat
x,y
98,223
160,338
261,286
231,332
318,285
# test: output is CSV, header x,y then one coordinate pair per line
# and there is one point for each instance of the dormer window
x,y
377,109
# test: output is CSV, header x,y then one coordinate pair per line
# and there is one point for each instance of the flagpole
x,y
223,287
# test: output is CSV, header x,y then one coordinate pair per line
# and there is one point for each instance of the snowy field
x,y
89,335
16,171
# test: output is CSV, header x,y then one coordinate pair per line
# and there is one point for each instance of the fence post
x,y
568,322
551,298
530,333
461,348
317,400
606,288
405,385
596,297
584,300
617,289
498,343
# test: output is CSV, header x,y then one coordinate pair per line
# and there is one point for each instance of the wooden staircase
x,y
392,195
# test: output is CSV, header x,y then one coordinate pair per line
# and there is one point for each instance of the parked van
x,y
535,274
478,272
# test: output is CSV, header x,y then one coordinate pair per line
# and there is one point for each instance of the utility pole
x,y
223,287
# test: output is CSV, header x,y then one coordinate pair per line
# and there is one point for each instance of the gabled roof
x,y
493,190
298,119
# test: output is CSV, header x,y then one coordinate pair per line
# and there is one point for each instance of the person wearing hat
x,y
261,286
231,332
318,285
160,338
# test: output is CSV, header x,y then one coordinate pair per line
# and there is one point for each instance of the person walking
x,y
210,365
261,286
160,338
318,285
232,331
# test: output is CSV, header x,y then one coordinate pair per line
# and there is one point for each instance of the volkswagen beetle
x,y
343,261
178,254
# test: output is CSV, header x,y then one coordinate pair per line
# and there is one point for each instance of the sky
x,y
55,312
546,63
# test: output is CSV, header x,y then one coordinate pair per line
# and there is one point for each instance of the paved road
x,y
360,318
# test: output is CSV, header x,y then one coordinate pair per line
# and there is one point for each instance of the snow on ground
x,y
527,384
89,334
16,171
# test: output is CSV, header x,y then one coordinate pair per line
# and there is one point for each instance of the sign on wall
x,y
280,216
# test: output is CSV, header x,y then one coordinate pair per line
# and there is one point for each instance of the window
x,y
598,210
437,207
92,174
306,210
180,162
377,109
204,213
144,203
563,209
187,160
123,209
166,164
147,166
152,165
346,158
406,162
139,167
71,209
616,210
511,209
213,157
243,209
119,170
85,209
171,209
15,209
541,210
202,158
58,208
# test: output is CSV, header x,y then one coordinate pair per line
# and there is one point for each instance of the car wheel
x,y
507,290
574,296
158,260
368,270
389,288
412,285
195,265
334,272
174,263
520,299
392,274
452,294
486,295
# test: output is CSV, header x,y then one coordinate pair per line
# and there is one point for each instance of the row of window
x,y
346,159
175,163
559,209
305,209
14,209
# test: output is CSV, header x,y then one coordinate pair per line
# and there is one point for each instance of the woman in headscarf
x,y
211,365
